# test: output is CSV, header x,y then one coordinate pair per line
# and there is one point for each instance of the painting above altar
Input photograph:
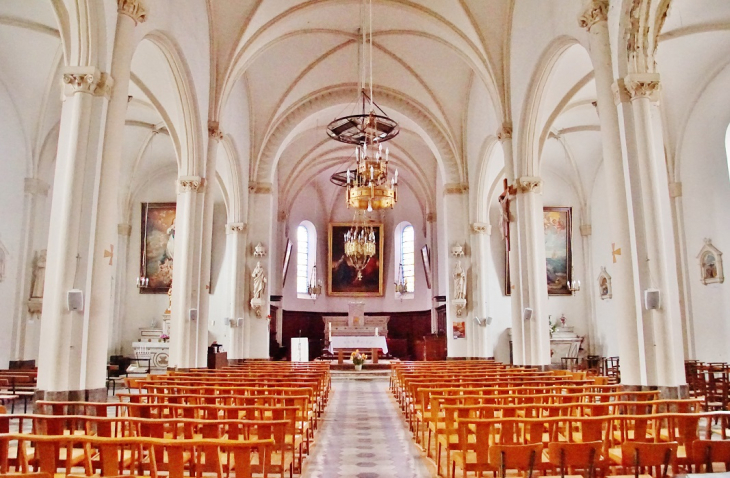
x,y
157,246
342,278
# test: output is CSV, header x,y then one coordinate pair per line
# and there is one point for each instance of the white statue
x,y
259,281
170,249
39,275
459,282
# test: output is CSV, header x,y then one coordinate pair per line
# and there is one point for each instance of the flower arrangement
x,y
164,337
553,326
358,358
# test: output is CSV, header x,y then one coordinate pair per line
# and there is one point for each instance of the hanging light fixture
x,y
573,285
314,287
360,243
400,284
368,185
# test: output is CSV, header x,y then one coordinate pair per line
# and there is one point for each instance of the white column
x,y
236,242
105,213
261,208
480,274
588,286
183,329
455,216
433,254
533,281
662,327
119,286
66,336
35,192
206,241
623,269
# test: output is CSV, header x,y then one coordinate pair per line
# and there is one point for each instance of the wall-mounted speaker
x,y
652,299
527,314
75,300
489,321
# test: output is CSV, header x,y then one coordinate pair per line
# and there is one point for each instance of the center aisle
x,y
363,436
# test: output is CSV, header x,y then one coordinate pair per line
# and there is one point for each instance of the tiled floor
x,y
363,435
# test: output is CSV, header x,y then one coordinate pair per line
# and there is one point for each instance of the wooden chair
x,y
707,452
575,456
642,456
515,457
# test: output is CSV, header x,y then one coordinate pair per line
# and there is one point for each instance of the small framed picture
x,y
710,264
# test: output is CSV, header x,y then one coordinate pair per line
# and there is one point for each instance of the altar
x,y
151,345
356,331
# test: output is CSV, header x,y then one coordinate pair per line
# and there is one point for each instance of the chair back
x,y
515,457
640,455
575,455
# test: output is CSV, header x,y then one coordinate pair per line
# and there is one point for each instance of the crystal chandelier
x,y
360,244
368,185
314,287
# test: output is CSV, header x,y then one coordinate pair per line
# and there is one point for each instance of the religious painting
x,y
605,290
342,275
157,247
557,225
287,256
426,265
459,329
710,264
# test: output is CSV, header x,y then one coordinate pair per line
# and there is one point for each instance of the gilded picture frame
x,y
558,227
341,277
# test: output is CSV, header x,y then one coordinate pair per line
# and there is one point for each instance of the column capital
x,y
505,132
643,85
134,9
260,188
214,131
86,79
586,230
235,227
528,184
190,184
36,186
431,217
124,229
455,188
481,228
596,11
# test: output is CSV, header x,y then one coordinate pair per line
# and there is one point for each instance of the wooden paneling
x,y
402,325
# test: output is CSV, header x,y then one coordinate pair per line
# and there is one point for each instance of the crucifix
x,y
504,216
615,252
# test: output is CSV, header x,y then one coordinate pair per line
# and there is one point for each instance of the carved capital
x,y
586,229
282,215
643,85
260,188
36,186
528,184
134,9
189,184
214,131
124,229
235,227
596,11
456,188
481,228
86,79
505,132
620,94
431,217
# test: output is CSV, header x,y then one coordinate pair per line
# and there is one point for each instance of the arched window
x,y
405,257
306,256
408,257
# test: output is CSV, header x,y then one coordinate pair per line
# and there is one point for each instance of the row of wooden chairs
x,y
709,381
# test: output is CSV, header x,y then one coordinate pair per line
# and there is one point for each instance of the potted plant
x,y
358,359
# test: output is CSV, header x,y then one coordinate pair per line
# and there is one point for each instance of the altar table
x,y
372,342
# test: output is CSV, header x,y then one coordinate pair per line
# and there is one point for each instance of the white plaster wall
x,y
220,277
142,309
310,206
500,305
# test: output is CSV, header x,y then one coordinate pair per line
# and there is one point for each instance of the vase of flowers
x,y
165,338
358,359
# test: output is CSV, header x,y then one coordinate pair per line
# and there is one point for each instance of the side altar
x,y
152,346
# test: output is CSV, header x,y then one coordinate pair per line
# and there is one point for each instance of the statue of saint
x,y
459,282
259,281
39,275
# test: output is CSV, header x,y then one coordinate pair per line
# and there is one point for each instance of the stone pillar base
x,y
90,395
666,393
21,364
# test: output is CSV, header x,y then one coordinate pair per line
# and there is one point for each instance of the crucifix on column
x,y
504,202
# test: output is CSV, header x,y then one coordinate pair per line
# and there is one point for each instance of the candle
x,y
376,331
348,176
371,172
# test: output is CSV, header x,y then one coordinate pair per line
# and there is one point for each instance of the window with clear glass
x,y
302,259
408,257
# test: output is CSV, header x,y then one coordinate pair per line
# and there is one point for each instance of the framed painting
x,y
710,264
342,277
157,246
426,265
557,224
287,256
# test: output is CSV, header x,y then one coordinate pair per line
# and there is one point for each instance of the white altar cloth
x,y
363,343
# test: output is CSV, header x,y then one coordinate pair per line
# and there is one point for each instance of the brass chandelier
x,y
360,244
368,185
